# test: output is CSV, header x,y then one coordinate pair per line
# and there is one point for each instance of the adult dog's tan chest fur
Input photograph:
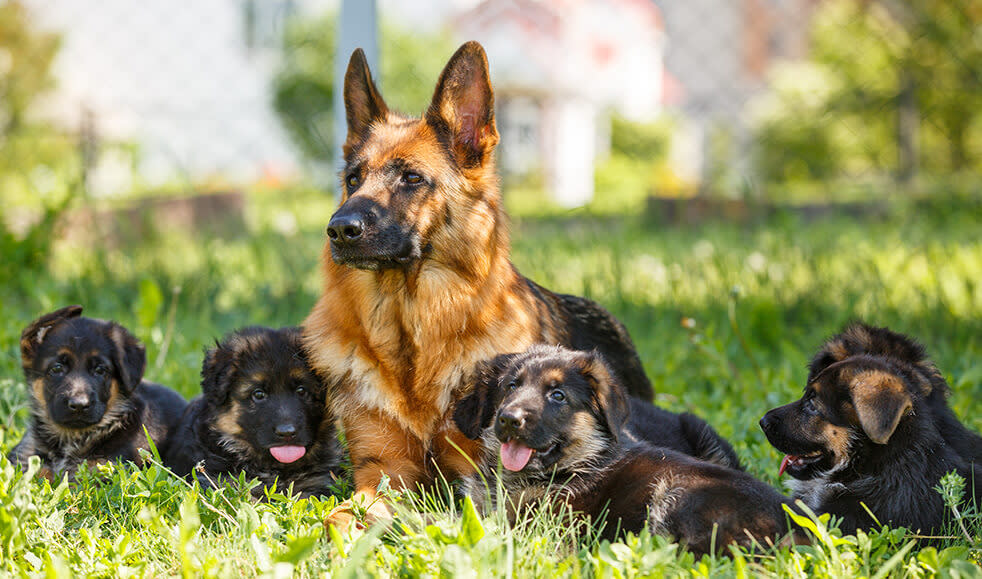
x,y
406,345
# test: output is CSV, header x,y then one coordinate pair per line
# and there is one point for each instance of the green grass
x,y
787,284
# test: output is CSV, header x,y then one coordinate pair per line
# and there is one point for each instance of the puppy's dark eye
x,y
100,371
352,180
301,391
809,405
57,369
511,385
557,396
258,394
412,178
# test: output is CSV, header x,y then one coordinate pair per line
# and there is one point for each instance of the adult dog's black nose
x,y
510,420
79,403
285,431
345,228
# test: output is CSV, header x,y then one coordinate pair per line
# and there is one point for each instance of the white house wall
x,y
177,79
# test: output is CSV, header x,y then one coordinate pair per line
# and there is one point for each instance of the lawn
x,y
757,300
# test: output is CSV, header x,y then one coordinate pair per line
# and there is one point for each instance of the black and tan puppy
x,y
642,421
557,423
89,402
874,427
262,412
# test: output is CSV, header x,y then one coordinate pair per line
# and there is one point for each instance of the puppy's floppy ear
x,y
609,397
129,356
216,372
881,400
475,412
363,105
33,335
463,106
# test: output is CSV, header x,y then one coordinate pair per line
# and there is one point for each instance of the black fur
x,y
230,429
895,478
89,401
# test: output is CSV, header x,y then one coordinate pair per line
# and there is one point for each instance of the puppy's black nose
x,y
285,431
79,403
511,419
345,228
767,422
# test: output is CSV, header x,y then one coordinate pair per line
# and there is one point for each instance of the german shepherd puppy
x,y
262,411
874,427
557,423
89,402
418,286
642,421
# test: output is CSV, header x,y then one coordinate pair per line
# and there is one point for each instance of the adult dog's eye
x,y
258,394
352,180
100,371
301,391
412,178
57,369
511,385
557,396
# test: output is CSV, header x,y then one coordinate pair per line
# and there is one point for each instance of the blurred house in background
x,y
188,84
560,68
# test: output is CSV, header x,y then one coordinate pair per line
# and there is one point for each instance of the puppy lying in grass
x,y
874,428
261,412
556,420
89,402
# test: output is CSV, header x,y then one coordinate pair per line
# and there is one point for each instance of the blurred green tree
x,y
304,87
36,159
872,63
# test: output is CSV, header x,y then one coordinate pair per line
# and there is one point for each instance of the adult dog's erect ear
x,y
363,105
475,412
609,397
130,357
33,335
880,400
463,106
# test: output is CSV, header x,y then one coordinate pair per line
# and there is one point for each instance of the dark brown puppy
x,y
418,284
557,426
874,427
262,412
89,402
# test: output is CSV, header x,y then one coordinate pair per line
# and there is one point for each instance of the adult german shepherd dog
x,y
418,286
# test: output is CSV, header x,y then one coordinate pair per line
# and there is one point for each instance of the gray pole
x,y
357,28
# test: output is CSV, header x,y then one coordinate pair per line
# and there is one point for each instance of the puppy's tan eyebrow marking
x,y
553,376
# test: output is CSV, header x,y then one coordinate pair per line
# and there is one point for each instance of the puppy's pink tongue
x,y
515,455
784,463
288,453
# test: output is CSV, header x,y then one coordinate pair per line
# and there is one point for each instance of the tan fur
x,y
880,400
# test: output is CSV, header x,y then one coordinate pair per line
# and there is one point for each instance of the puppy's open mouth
x,y
515,455
796,462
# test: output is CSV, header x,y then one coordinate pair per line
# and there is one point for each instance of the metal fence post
x,y
357,28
